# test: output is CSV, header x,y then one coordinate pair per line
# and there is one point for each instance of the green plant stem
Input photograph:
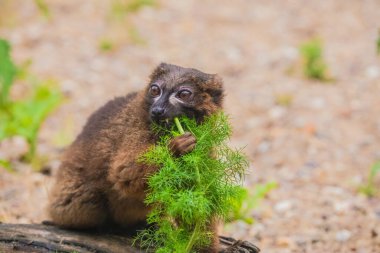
x,y
180,129
198,176
193,237
197,225
179,126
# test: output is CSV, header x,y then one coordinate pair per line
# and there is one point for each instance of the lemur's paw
x,y
237,246
182,144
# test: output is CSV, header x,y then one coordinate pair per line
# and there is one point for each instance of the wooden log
x,y
43,238
38,238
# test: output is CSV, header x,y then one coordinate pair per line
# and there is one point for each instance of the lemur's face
x,y
174,91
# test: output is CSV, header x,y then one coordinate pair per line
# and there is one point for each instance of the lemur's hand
x,y
182,144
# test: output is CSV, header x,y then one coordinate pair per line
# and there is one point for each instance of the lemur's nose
x,y
157,111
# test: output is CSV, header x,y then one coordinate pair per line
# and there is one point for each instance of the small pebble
x,y
342,235
318,103
13,148
264,147
277,112
283,206
284,242
342,207
373,233
290,53
68,86
372,72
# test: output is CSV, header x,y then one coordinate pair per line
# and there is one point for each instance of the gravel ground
x,y
318,149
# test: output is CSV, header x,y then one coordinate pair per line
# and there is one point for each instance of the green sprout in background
x,y
106,45
43,8
369,189
284,99
249,200
189,192
122,8
23,117
378,43
314,66
123,28
7,73
6,165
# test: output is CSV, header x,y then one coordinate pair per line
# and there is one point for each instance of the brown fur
x,y
99,180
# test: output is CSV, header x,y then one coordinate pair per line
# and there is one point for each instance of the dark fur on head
x,y
204,91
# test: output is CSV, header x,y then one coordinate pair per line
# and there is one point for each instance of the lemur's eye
x,y
154,90
184,94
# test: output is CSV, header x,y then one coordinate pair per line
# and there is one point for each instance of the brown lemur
x,y
99,180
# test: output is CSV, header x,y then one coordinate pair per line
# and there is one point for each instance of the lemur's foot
x,y
237,246
182,144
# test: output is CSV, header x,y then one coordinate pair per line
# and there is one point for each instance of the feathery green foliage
x,y
188,193
23,117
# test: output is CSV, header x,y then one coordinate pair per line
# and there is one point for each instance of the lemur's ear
x,y
214,87
161,69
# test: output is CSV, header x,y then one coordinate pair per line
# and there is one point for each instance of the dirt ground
x,y
319,148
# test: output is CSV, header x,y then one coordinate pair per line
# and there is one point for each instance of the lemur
x,y
99,180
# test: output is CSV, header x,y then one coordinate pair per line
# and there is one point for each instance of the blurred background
x,y
302,80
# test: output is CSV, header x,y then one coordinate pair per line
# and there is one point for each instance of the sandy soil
x,y
318,149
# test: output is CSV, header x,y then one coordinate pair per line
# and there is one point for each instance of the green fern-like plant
x,y
314,66
250,200
189,192
8,72
23,117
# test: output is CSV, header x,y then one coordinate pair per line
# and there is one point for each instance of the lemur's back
x,y
101,119
83,193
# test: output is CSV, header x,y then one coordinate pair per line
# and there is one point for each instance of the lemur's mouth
x,y
165,122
